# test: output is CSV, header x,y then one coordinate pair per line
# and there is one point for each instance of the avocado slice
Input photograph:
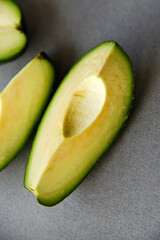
x,y
82,120
12,37
21,105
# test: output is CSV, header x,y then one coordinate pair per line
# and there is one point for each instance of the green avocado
x,y
21,105
12,37
82,120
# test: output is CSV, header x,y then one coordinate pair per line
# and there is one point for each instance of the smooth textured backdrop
x,y
120,198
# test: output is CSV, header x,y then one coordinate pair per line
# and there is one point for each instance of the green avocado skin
x,y
45,57
15,56
52,202
22,27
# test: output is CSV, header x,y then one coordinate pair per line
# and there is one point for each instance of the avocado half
x,y
21,104
12,37
82,120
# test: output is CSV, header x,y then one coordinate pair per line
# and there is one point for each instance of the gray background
x,y
120,199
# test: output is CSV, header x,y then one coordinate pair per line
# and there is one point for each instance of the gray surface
x,y
120,199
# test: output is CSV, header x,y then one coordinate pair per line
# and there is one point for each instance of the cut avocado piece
x,y
82,120
12,37
21,105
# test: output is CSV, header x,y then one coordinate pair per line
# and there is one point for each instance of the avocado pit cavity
x,y
86,104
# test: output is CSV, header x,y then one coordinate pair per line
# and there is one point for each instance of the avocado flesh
x,y
12,38
82,120
21,105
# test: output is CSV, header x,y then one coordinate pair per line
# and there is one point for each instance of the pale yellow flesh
x,y
86,103
66,146
10,14
12,40
21,103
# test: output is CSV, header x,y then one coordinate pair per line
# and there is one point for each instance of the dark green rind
x,y
38,117
68,192
22,28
